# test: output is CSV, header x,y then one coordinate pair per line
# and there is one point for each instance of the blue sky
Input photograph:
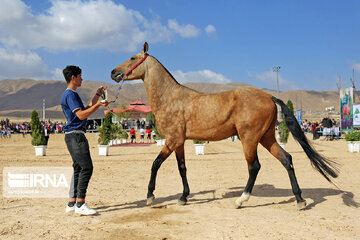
x,y
314,42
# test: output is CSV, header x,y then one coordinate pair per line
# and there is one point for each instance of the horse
x,y
182,113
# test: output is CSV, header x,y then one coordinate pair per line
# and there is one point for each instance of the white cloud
x,y
75,24
207,76
210,31
23,63
185,31
269,78
356,66
57,74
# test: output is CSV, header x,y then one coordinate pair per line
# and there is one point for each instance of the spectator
x,y
148,133
313,129
47,134
132,135
142,135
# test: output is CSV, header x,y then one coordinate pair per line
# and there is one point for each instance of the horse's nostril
x,y
113,71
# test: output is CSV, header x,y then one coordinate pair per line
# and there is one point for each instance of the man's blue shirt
x,y
70,102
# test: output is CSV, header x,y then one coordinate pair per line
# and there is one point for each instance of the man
x,y
142,135
132,135
77,144
148,132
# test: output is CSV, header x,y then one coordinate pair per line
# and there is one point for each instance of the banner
x,y
356,115
299,116
346,108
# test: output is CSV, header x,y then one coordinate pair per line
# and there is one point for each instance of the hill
x,y
19,97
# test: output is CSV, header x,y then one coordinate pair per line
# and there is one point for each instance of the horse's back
x,y
220,115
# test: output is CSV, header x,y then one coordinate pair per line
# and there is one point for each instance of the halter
x,y
146,55
126,74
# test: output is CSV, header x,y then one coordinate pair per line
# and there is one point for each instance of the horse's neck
x,y
160,85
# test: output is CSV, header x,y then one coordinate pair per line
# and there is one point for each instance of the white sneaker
x,y
84,210
69,209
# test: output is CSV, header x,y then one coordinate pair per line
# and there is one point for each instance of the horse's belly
x,y
217,133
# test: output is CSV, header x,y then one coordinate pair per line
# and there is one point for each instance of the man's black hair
x,y
70,71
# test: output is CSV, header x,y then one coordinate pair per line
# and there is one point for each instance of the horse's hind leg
x,y
250,151
269,142
180,157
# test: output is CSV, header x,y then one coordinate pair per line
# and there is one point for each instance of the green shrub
x,y
352,136
284,132
37,132
198,141
106,131
119,132
283,129
124,135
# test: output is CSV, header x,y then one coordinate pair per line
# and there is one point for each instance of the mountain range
x,y
19,97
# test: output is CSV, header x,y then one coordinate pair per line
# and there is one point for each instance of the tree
x,y
106,131
37,132
284,130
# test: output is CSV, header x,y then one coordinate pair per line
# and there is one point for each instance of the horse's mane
x,y
167,71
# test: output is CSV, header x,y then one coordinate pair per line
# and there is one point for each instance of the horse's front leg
x,y
180,157
163,155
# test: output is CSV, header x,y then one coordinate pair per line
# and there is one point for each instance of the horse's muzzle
x,y
117,76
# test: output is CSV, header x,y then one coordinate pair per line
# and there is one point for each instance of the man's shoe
x,y
84,210
69,209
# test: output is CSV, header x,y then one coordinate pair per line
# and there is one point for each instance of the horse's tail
x,y
325,166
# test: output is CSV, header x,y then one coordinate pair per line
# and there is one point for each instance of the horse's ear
x,y
145,48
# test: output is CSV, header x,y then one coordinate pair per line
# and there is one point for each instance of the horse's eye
x,y
132,58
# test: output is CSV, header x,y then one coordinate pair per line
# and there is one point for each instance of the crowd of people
x,y
7,127
325,127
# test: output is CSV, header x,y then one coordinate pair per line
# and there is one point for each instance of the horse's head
x,y
132,69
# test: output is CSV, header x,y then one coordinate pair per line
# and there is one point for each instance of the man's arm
x,y
83,114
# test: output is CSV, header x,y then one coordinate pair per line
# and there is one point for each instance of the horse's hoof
x,y
181,202
301,205
237,204
150,200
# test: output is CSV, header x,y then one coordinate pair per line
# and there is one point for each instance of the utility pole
x,y
338,84
43,115
277,69
354,76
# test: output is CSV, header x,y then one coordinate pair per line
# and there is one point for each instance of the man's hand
x,y
104,103
99,92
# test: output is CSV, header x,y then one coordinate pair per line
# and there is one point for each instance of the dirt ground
x,y
118,190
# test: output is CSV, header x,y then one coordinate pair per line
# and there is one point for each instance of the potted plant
x,y
199,147
105,135
283,129
37,135
121,135
284,134
124,136
353,140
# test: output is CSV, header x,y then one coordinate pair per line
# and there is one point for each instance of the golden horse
x,y
182,113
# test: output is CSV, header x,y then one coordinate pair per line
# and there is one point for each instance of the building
x,y
137,111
